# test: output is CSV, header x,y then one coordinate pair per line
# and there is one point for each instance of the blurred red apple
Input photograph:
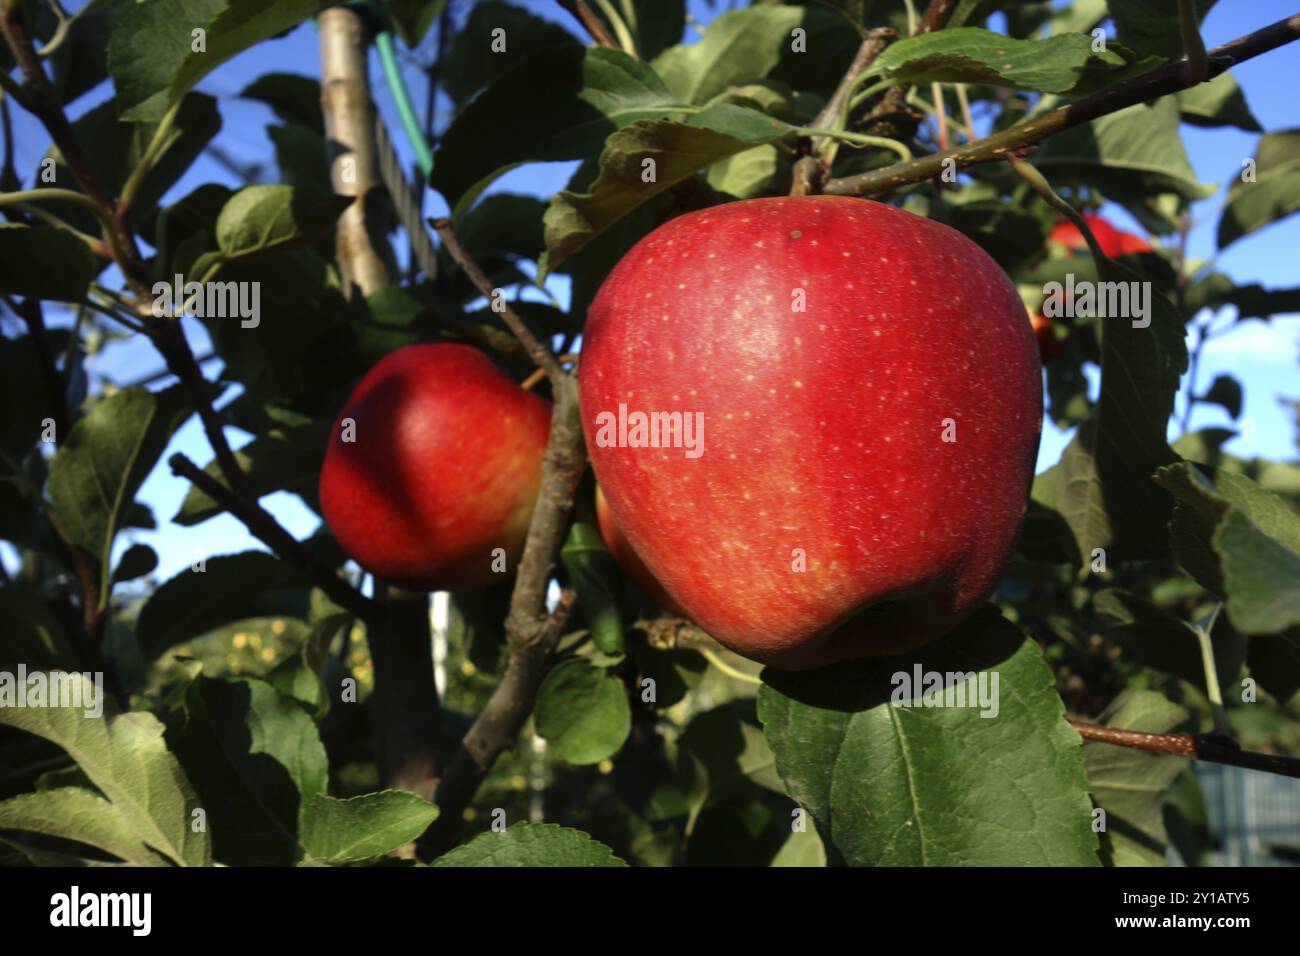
x,y
1114,242
442,468
1049,346
864,401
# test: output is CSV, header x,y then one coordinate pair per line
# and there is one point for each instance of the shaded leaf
x,y
1130,785
1220,102
230,587
151,53
44,262
256,760
917,785
97,471
558,104
676,150
531,844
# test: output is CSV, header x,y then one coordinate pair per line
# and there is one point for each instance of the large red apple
x,y
871,402
1114,242
442,469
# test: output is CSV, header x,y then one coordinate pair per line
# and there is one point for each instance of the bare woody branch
x,y
269,531
542,357
531,633
1206,747
1140,89
936,17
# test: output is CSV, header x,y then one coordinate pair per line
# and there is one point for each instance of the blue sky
x,y
1262,356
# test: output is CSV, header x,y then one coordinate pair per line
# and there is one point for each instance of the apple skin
x,y
617,545
823,427
1114,242
445,468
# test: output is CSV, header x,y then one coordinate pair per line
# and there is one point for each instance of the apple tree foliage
x,y
1155,586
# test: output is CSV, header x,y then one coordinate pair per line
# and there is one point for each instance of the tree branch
x,y
1207,747
40,99
269,531
936,17
531,633
1149,86
406,707
806,178
584,15
542,357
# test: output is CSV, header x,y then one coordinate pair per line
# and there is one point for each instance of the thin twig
x,y
584,15
269,531
1149,86
836,110
1206,747
542,357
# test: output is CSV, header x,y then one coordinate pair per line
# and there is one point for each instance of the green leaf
x,y
75,813
1226,392
894,785
1240,542
342,831
740,46
1260,575
582,712
474,58
262,219
595,577
1274,193
721,755
97,471
1151,26
301,676
137,561
230,587
1129,155
119,147
659,25
974,55
746,175
558,104
293,98
151,53
677,150
802,848
1220,102
1153,638
32,634
1104,491
1130,785
414,17
44,262
257,761
531,844
126,759
1255,302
